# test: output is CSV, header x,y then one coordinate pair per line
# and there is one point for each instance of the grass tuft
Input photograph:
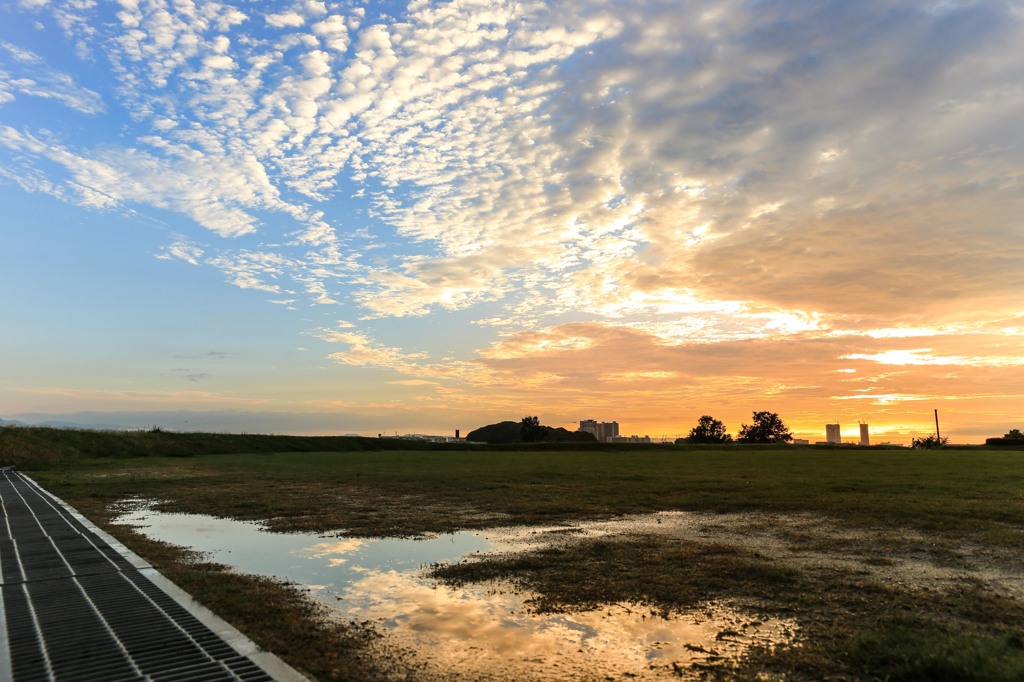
x,y
907,651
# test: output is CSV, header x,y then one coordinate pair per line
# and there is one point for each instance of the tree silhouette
x,y
928,442
767,428
708,430
530,429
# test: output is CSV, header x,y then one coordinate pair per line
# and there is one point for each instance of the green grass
x,y
908,650
976,493
931,505
42,447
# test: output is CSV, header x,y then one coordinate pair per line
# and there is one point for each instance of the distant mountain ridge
x,y
66,425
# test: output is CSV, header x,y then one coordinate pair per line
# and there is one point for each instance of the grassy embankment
x,y
945,508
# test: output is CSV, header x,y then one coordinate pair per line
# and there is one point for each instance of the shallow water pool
x,y
475,632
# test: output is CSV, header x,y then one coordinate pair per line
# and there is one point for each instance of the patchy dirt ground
x,y
891,556
844,587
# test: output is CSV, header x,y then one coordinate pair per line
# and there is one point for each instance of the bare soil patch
x,y
842,586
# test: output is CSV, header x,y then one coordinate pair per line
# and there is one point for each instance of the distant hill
x,y
512,432
76,425
54,424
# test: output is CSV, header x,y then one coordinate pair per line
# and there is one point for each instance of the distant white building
x,y
832,434
865,440
629,439
602,431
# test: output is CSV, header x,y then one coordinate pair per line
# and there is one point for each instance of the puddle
x,y
477,632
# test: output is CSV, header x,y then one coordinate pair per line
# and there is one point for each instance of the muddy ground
x,y
868,603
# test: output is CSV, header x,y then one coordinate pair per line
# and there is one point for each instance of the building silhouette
x,y
602,431
832,434
865,440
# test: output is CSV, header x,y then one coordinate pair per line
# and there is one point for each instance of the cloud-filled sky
x,y
327,217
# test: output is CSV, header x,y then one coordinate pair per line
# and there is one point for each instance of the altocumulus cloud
x,y
655,175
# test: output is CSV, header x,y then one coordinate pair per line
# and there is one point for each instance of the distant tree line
x,y
1013,438
766,427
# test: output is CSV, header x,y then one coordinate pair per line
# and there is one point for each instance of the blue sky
x,y
321,217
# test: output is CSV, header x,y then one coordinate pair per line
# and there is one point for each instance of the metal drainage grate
x,y
75,609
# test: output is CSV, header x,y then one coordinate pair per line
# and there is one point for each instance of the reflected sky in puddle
x,y
476,632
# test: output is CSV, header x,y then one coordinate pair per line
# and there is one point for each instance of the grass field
x,y
898,564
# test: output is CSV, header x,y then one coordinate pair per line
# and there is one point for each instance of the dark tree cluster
x,y
527,430
708,431
928,442
767,428
1013,438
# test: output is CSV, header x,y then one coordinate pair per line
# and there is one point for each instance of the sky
x,y
391,217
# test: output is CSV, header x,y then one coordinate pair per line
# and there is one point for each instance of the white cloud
x,y
28,74
883,398
182,249
253,270
333,31
924,356
111,178
285,20
696,171
360,349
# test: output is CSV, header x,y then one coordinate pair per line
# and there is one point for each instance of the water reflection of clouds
x,y
442,614
469,630
328,550
479,631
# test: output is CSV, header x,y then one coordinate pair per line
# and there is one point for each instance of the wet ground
x,y
480,631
